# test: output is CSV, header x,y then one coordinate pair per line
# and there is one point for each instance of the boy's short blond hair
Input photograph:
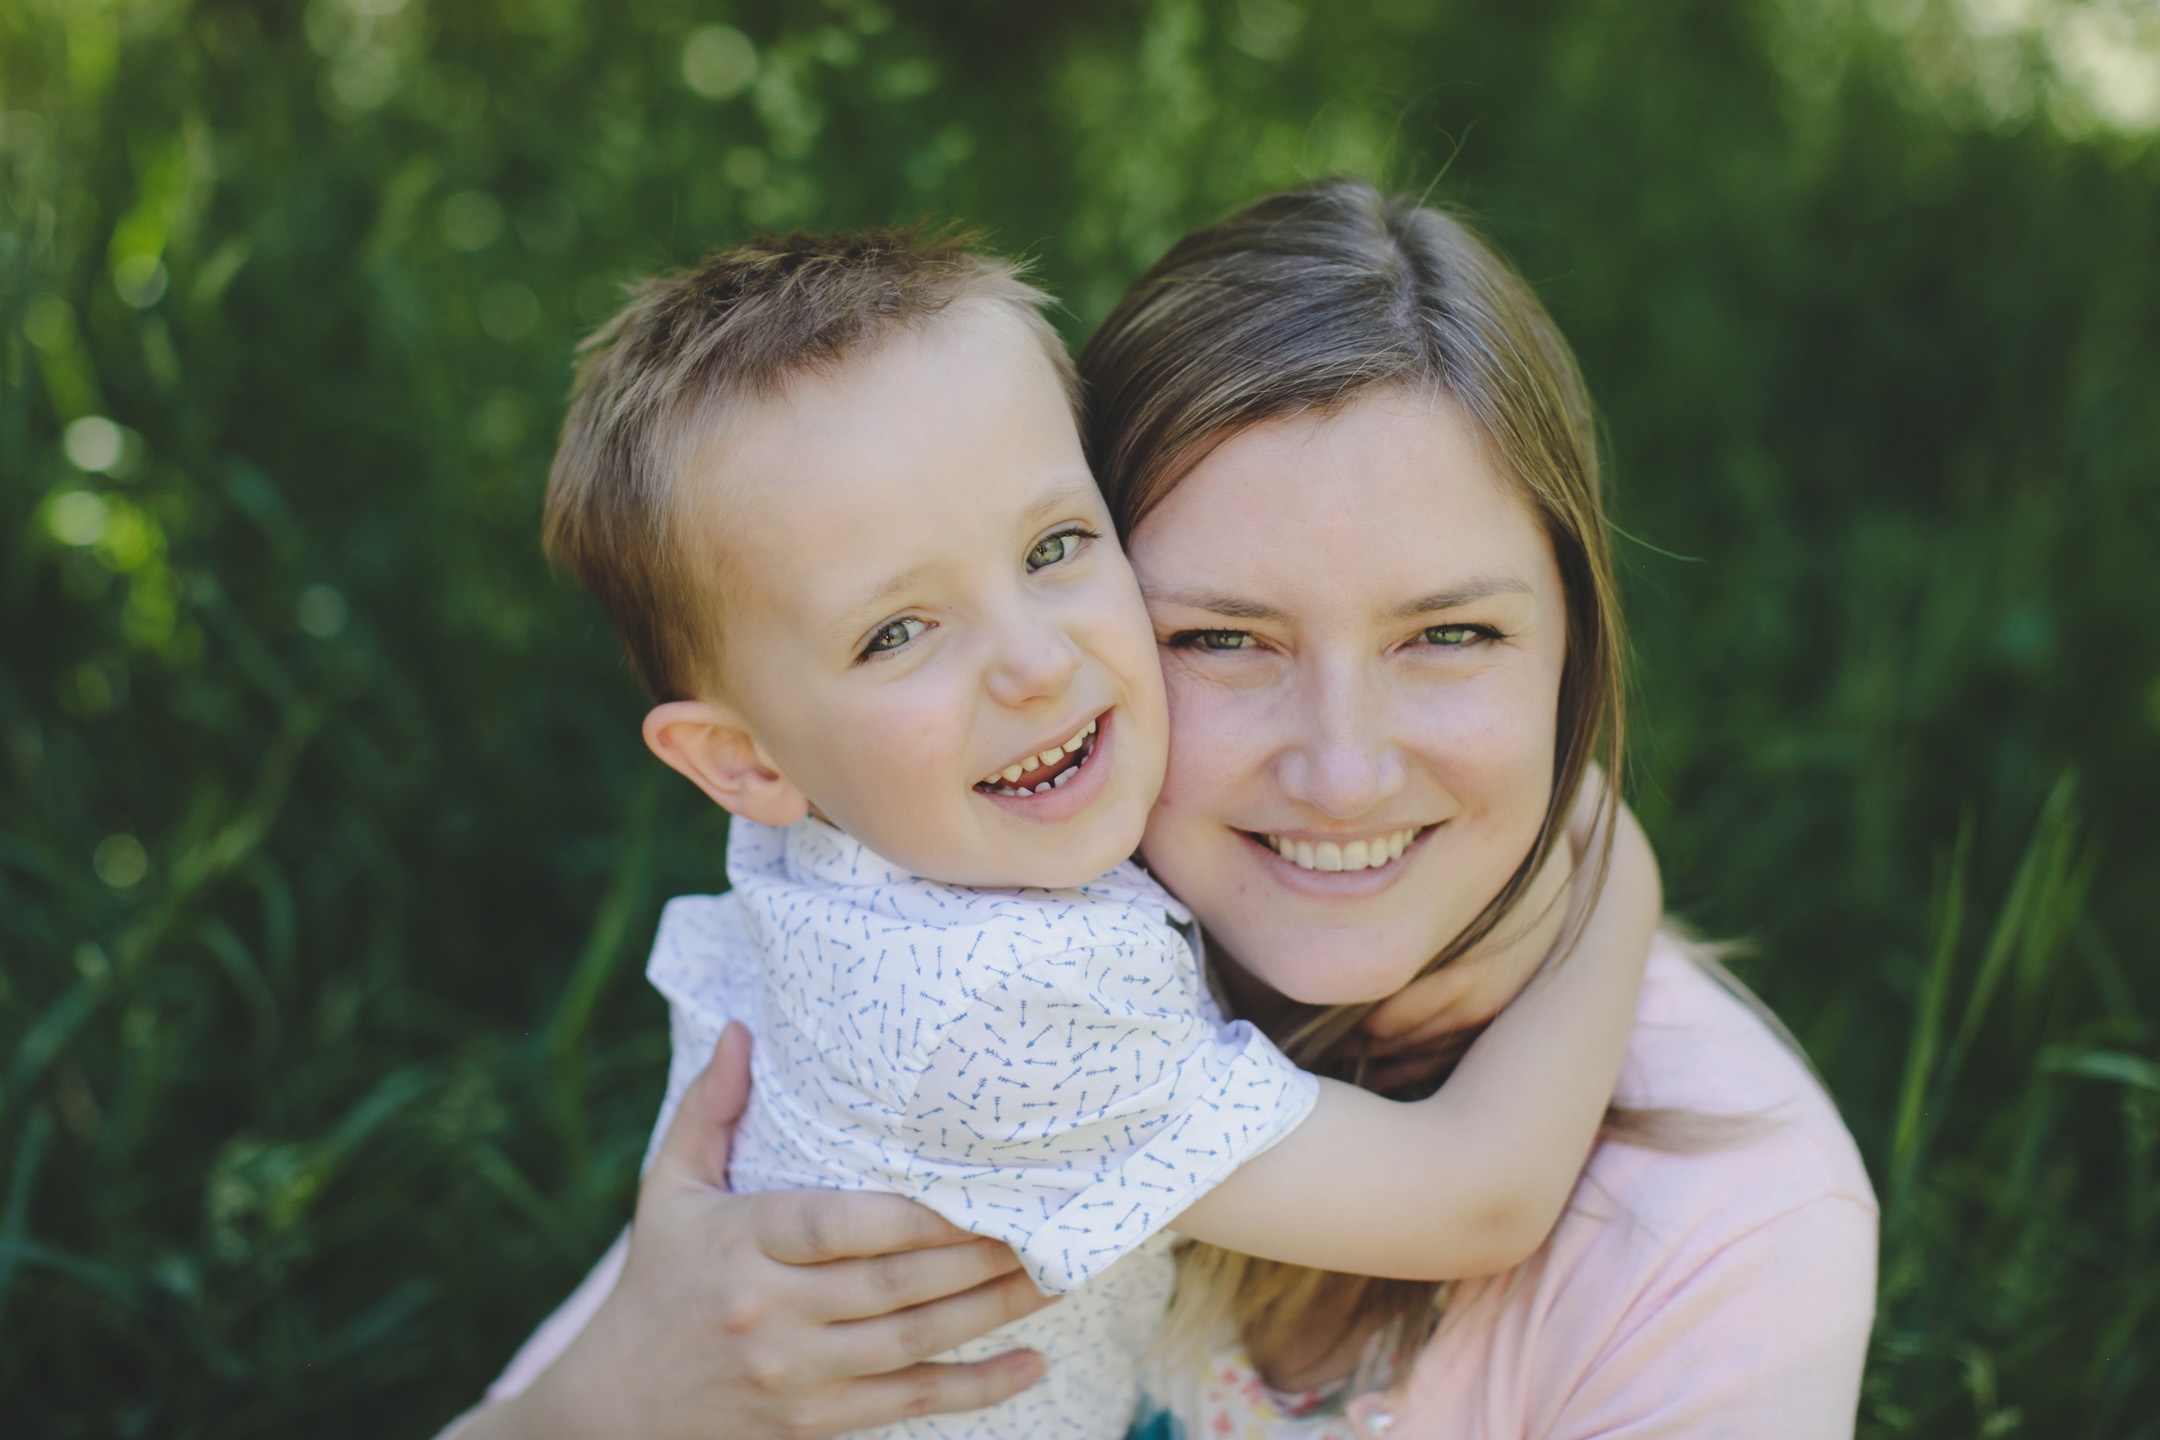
x,y
742,324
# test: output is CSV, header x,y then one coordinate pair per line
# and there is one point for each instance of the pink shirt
x,y
1724,1293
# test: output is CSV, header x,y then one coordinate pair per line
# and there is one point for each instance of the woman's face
x,y
1362,630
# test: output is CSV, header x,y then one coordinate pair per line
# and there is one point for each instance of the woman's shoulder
x,y
1725,1125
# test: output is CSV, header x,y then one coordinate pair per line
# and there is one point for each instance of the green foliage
x,y
327,847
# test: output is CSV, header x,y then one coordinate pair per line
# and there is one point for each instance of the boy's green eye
x,y
1052,549
1222,639
892,636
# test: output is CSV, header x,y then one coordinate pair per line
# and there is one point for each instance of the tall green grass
x,y
2018,1190
328,852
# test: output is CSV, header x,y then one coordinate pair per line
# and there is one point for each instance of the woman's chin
x,y
1311,975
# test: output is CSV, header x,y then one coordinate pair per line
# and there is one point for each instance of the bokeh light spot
x,y
120,861
94,443
49,323
140,279
718,62
77,518
471,220
509,310
320,611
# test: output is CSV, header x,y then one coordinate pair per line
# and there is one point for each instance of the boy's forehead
x,y
849,480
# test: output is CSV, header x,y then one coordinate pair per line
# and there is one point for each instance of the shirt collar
x,y
812,851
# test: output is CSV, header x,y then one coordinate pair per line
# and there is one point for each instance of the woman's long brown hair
x,y
1300,305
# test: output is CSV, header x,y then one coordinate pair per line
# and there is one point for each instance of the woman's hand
x,y
791,1313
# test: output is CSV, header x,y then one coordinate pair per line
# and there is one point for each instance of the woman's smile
x,y
1340,855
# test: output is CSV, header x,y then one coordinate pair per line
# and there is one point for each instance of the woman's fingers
x,y
881,1284
811,1227
896,1341
921,1390
703,1130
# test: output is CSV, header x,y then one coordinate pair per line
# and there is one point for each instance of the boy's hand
x,y
1460,999
790,1313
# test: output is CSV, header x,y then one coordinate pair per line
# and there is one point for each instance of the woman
x,y
1356,474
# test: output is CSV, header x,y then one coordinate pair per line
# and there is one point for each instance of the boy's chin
x,y
1052,869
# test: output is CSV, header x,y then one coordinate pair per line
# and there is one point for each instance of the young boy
x,y
831,492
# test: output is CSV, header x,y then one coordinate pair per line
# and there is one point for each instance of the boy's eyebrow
x,y
905,580
1061,497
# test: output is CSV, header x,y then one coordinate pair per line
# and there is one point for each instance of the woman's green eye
x,y
1052,549
1222,639
894,635
1451,635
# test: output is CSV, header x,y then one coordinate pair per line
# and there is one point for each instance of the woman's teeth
x,y
1007,781
1328,855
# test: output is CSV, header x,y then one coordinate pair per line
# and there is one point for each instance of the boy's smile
x,y
928,633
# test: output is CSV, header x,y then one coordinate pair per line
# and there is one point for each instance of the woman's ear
x,y
710,744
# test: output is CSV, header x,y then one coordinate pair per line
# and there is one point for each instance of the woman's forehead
x,y
1391,496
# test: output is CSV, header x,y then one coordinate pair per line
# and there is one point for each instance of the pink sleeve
x,y
559,1329
546,1344
1766,1338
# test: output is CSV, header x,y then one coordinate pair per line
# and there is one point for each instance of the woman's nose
x,y
1341,763
1033,662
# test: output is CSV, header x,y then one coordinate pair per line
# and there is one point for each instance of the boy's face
x,y
923,590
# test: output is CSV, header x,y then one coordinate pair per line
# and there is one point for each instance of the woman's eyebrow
x,y
1228,606
1469,592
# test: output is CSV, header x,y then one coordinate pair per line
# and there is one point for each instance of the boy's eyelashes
x,y
1216,640
1058,546
892,635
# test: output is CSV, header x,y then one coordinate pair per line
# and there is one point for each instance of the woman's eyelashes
x,y
1058,547
891,636
1458,636
1461,636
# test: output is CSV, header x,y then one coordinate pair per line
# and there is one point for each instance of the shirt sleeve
x,y
703,965
1765,1339
1073,1129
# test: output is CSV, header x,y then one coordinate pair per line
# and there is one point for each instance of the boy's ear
x,y
710,744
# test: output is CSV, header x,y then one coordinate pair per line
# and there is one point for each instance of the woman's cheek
x,y
1474,739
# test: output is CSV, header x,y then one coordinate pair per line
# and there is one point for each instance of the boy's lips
x,y
1074,778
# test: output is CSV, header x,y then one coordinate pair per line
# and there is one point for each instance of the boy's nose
x,y
1033,662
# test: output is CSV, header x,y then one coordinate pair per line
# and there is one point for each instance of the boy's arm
x,y
1470,1181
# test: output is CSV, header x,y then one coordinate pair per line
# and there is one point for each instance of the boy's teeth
x,y
1330,856
1012,773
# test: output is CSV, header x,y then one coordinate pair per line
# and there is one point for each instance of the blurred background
x,y
328,850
